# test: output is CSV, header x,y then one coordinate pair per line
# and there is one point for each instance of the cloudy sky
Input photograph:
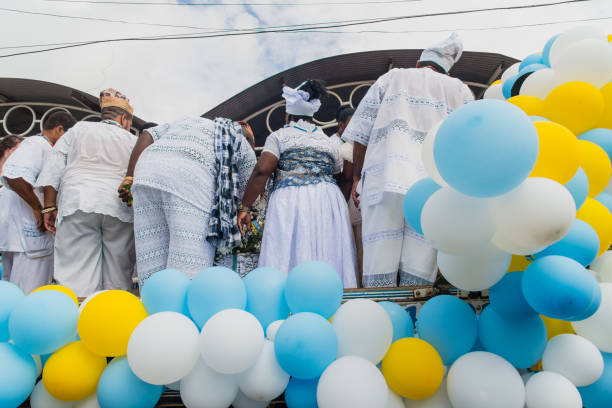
x,y
171,78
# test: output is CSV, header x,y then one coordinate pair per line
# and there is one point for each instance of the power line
x,y
250,3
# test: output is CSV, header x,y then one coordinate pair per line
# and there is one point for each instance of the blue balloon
x,y
538,119
559,287
315,287
520,341
507,299
266,295
10,296
44,321
213,290
602,137
546,50
605,199
449,324
17,375
119,387
581,244
403,326
305,345
535,58
529,69
415,200
166,291
578,187
486,148
599,394
507,86
301,393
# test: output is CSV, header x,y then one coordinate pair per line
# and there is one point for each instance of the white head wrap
x,y
446,53
297,102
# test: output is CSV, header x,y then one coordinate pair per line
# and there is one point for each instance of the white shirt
x,y
393,119
87,166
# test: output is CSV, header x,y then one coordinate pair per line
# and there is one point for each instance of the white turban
x,y
446,53
297,102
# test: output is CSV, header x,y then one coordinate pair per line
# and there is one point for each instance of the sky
x,y
169,79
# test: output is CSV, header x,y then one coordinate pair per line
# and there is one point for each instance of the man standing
x,y
388,129
94,242
26,246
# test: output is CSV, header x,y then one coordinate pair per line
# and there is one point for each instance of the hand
x,y
355,193
125,191
244,222
49,221
39,220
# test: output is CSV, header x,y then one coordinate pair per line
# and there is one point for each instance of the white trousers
x,y
93,252
27,273
392,248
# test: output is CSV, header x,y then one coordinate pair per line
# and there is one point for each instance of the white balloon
x,y
571,36
352,382
203,387
394,400
575,358
40,398
598,327
364,329
603,266
551,390
89,402
163,348
231,341
273,328
483,380
88,298
587,60
427,156
536,214
242,401
456,223
438,400
510,71
477,270
502,242
540,83
265,380
494,92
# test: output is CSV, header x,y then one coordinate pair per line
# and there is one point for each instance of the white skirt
x,y
309,223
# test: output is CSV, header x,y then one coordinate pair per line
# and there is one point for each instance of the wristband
x,y
48,210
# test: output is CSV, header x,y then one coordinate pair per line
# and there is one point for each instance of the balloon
x,y
301,393
415,200
578,187
265,295
531,105
401,320
205,388
394,400
89,402
546,50
597,166
72,372
588,60
108,320
555,327
213,290
494,92
364,329
166,291
507,299
119,387
539,84
17,375
570,37
86,301
606,199
483,380
449,324
576,105
43,322
599,394
427,155
486,148
603,266
508,86
456,223
535,58
474,271
413,368
10,296
352,382
521,342
575,358
265,380
305,345
61,289
598,327
558,157
163,348
40,398
601,137
273,329
314,287
519,263
580,244
510,71
242,401
606,119
559,287
547,389
438,400
597,216
231,357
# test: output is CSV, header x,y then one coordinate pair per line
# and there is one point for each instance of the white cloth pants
x,y
27,273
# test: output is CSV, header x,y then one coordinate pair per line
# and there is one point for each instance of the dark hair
x,y
315,88
8,142
110,112
343,113
59,118
436,67
148,125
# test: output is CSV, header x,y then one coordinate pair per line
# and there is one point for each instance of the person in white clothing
x,y
94,242
388,130
8,144
26,245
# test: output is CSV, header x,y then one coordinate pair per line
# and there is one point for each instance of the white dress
x,y
307,217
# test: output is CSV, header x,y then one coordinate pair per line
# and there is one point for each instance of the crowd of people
x,y
91,206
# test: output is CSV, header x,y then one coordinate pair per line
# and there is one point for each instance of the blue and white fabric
x,y
297,102
445,53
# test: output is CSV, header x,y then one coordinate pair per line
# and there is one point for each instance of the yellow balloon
x,y
519,263
72,372
558,157
609,37
413,368
597,216
606,120
60,288
555,327
108,320
496,82
596,164
531,105
576,105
